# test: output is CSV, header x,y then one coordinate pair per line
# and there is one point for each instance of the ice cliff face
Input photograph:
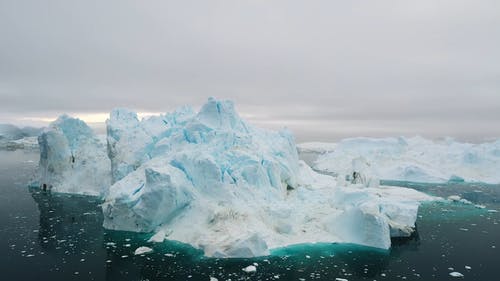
x,y
416,159
210,179
72,160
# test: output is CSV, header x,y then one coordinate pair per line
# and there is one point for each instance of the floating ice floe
x,y
213,181
250,268
142,250
456,274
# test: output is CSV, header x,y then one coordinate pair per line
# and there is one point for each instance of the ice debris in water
x,y
456,198
250,268
210,179
456,274
143,250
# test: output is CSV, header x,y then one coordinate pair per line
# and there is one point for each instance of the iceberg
x,y
72,159
414,159
12,132
211,180
28,143
13,137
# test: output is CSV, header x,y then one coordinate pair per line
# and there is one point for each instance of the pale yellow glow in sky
x,y
87,117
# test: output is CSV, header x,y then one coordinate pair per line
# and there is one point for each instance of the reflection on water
x,y
69,222
48,236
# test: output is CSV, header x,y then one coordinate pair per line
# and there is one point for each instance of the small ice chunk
x,y
340,279
468,267
213,279
456,274
143,250
250,268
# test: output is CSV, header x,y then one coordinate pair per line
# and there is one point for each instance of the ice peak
x,y
72,159
73,129
219,114
123,114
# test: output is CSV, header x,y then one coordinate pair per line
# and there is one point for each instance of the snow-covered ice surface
x,y
213,181
415,159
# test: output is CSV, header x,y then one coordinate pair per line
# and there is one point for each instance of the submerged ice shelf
x,y
411,159
211,180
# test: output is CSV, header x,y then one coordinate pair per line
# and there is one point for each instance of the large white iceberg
x,y
211,180
414,159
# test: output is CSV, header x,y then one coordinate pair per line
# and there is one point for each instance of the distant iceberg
x,y
13,137
211,180
412,159
11,132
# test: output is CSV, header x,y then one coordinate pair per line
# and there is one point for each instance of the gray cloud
x,y
326,69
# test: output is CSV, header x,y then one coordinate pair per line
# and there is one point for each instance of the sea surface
x,y
49,236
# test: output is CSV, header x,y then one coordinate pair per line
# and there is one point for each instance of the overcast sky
x,y
325,69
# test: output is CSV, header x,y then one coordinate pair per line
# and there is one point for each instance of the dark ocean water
x,y
47,236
